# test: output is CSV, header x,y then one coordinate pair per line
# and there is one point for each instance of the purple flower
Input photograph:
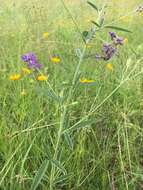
x,y
31,60
109,51
34,65
113,35
98,57
29,57
119,41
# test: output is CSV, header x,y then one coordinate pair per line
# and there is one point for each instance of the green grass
x,y
64,135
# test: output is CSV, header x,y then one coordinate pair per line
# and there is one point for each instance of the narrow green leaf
x,y
40,174
48,92
26,155
92,5
68,140
95,23
81,124
59,166
53,96
62,178
118,28
101,21
67,137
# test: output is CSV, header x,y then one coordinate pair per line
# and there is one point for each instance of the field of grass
x,y
77,122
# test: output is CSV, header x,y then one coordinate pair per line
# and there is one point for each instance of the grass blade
x,y
95,23
59,166
118,28
93,5
68,140
40,174
81,124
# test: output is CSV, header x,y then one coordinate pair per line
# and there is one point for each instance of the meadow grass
x,y
63,133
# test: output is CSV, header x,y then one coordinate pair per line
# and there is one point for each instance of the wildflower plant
x,y
15,77
68,121
31,60
108,51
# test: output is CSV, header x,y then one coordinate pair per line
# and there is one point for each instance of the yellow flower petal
x,y
55,59
45,35
26,71
126,40
86,81
42,78
15,77
109,66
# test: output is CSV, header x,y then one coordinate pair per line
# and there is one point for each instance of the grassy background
x,y
102,152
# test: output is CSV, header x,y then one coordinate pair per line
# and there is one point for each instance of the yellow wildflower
x,y
23,92
45,35
15,77
26,71
42,78
87,81
109,66
55,59
126,40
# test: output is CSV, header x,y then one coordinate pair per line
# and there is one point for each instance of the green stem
x,y
63,115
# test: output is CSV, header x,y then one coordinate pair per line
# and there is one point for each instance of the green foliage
x,y
39,175
68,133
117,28
93,5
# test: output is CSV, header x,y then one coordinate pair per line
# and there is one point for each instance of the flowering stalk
x,y
110,49
64,110
64,106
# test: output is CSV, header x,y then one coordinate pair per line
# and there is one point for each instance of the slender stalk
x,y
64,110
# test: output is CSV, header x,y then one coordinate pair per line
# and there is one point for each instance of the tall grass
x,y
64,134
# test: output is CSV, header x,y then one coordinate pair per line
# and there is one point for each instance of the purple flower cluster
x,y
116,39
110,49
31,60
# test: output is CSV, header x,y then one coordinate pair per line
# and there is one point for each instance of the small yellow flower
x,y
86,81
15,77
23,92
55,59
109,66
45,35
26,71
42,78
126,40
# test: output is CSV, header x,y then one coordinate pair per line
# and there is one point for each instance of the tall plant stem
x,y
64,109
